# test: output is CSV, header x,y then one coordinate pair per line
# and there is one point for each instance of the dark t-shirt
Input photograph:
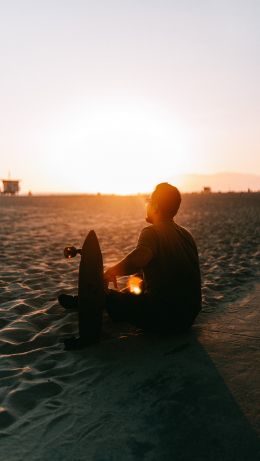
x,y
173,275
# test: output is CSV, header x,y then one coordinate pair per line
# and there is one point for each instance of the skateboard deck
x,y
91,295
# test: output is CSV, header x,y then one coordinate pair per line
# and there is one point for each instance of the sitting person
x,y
167,256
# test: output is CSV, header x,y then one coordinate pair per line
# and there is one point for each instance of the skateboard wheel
x,y
70,252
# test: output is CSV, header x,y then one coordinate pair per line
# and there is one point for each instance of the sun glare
x,y
109,149
134,285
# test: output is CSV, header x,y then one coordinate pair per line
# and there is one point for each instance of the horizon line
x,y
136,194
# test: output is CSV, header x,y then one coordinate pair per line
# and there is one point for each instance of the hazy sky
x,y
114,96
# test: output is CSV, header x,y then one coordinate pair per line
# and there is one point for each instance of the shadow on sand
x,y
169,402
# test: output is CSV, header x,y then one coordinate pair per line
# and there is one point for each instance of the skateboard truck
x,y
71,252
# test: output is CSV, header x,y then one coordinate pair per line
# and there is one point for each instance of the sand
x,y
133,397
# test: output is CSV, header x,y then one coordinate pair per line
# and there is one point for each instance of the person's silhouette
x,y
167,256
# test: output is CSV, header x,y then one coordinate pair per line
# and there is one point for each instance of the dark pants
x,y
144,312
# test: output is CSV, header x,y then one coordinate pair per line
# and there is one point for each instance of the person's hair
x,y
167,198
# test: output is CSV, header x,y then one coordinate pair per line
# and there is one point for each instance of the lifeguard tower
x,y
10,186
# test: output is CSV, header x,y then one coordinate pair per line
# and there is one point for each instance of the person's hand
x,y
110,276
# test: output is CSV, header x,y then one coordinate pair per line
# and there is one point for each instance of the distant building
x,y
10,186
206,190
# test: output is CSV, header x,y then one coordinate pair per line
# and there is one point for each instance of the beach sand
x,y
133,397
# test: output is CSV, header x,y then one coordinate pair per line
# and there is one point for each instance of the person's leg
x,y
120,305
138,310
144,312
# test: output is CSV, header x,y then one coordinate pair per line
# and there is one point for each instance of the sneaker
x,y
68,301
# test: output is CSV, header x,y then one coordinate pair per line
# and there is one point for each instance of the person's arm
x,y
132,263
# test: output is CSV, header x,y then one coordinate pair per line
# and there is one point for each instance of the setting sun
x,y
114,149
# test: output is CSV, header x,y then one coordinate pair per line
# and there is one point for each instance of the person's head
x,y
164,203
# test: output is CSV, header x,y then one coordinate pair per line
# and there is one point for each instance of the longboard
x,y
91,296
